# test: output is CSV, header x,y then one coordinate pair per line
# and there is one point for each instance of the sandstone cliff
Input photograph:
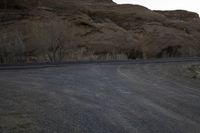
x,y
56,30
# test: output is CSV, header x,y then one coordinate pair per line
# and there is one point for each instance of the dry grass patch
x,y
195,70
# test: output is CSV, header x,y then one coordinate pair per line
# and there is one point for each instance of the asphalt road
x,y
101,98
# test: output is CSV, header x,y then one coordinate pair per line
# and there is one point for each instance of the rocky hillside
x,y
57,30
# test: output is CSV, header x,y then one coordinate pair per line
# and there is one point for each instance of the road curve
x,y
101,98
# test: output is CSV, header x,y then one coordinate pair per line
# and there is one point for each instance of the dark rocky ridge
x,y
179,15
98,28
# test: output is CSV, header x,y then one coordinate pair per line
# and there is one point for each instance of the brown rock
x,y
102,27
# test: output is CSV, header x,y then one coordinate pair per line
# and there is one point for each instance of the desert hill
x,y
57,30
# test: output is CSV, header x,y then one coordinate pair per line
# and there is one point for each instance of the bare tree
x,y
19,48
53,40
56,48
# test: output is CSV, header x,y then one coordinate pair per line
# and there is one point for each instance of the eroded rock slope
x,y
54,30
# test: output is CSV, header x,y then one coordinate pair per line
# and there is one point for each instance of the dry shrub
x,y
12,51
59,41
56,41
52,40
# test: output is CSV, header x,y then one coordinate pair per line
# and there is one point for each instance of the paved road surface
x,y
100,98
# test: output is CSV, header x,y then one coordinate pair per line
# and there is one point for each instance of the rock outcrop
x,y
97,28
179,15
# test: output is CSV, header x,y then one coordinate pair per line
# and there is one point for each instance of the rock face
x,y
179,15
97,28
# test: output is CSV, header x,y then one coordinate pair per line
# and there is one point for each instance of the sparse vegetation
x,y
51,42
12,52
195,70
